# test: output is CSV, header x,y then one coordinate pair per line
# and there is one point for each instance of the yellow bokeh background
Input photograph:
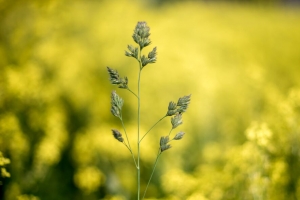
x,y
239,61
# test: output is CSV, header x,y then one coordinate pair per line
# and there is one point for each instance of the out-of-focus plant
x,y
141,37
3,172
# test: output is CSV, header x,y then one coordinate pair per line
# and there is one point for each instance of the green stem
x,y
170,132
151,128
138,135
132,92
128,146
159,153
131,153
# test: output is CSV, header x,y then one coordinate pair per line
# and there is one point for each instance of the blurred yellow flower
x,y
89,179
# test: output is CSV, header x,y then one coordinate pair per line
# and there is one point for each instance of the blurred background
x,y
240,60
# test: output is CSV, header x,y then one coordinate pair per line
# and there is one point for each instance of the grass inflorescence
x,y
141,36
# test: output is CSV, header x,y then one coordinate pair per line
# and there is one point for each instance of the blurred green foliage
x,y
239,62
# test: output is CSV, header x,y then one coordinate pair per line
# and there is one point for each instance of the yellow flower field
x,y
239,62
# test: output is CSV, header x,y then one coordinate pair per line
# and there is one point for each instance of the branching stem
x,y
157,157
170,132
132,92
128,146
151,128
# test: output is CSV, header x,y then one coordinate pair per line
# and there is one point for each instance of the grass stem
x,y
132,92
151,128
138,134
128,146
170,132
157,157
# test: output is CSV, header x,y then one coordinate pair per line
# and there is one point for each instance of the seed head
x,y
183,103
164,143
144,61
133,52
172,105
152,55
179,136
171,109
150,59
184,100
116,80
141,34
176,120
116,104
117,135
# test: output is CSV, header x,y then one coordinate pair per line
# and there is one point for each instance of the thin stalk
x,y
132,92
138,135
170,132
130,152
151,128
128,146
158,154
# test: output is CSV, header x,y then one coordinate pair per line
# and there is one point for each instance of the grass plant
x,y
176,109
